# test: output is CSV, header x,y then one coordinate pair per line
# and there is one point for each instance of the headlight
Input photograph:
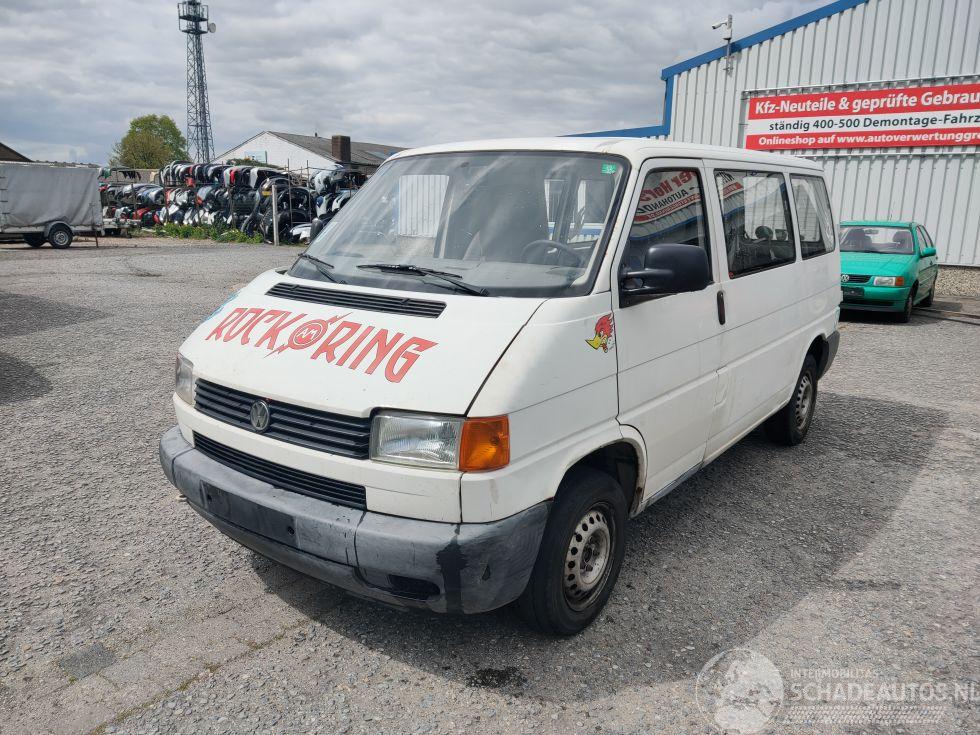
x,y
184,379
889,281
445,442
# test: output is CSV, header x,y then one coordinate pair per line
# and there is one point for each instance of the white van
x,y
499,352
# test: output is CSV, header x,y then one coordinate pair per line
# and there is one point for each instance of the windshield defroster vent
x,y
356,300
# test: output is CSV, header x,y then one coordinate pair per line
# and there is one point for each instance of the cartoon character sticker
x,y
605,334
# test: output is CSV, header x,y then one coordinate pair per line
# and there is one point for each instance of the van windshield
x,y
890,240
501,223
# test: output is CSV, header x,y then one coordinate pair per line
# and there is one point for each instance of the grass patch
x,y
217,232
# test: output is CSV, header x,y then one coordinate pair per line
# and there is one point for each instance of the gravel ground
x,y
122,611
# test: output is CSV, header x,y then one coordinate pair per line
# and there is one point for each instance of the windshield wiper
x,y
321,265
418,270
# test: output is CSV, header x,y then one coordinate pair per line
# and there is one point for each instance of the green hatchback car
x,y
887,266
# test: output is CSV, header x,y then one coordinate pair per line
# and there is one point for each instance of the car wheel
x,y
905,315
580,556
789,425
34,239
60,236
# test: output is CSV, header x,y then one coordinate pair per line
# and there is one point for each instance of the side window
x,y
755,213
671,210
813,215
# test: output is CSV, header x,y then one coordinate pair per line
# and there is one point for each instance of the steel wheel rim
x,y
588,559
60,238
804,401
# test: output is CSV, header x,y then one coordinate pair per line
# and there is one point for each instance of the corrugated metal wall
x,y
878,41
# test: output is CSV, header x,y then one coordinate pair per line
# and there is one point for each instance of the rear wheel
x,y
60,236
789,426
580,555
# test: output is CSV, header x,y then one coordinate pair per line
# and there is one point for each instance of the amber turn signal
x,y
485,444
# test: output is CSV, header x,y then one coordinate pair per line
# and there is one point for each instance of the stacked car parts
x,y
253,199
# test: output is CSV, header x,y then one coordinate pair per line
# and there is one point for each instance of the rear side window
x,y
813,216
755,212
670,210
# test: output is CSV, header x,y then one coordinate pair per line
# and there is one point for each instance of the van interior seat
x,y
520,217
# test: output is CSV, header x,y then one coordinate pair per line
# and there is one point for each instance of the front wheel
x,y
34,239
580,556
790,424
905,315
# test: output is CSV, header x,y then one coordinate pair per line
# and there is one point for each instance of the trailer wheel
x,y
34,239
60,236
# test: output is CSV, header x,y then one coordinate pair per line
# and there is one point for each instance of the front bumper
x,y
827,358
445,567
874,298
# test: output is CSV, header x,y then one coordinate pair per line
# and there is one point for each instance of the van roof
x,y
635,149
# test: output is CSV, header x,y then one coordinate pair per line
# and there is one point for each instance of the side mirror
x,y
316,226
667,269
928,252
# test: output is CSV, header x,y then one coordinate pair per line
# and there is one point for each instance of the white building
x,y
884,93
289,150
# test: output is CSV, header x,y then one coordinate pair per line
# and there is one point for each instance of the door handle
x,y
721,307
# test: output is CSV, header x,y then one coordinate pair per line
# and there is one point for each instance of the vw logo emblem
x,y
259,415
845,278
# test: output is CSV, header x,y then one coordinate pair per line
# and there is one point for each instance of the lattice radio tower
x,y
194,22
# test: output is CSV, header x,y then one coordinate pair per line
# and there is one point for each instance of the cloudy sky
x,y
72,73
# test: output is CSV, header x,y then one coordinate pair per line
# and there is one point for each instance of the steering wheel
x,y
551,244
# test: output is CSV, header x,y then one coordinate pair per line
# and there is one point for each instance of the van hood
x,y
875,264
351,359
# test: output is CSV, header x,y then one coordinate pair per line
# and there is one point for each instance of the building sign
x,y
926,116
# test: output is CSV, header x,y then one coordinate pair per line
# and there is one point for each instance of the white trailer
x,y
49,202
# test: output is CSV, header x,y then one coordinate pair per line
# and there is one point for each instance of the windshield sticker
x,y
337,340
605,334
609,168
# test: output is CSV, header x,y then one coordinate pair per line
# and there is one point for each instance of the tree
x,y
152,141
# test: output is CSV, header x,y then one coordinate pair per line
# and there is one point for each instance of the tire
x,y
587,521
34,239
789,425
905,315
60,236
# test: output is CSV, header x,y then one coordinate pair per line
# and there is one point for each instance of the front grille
x,y
285,478
306,427
851,278
355,300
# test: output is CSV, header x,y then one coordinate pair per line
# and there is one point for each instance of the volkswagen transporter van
x,y
497,354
